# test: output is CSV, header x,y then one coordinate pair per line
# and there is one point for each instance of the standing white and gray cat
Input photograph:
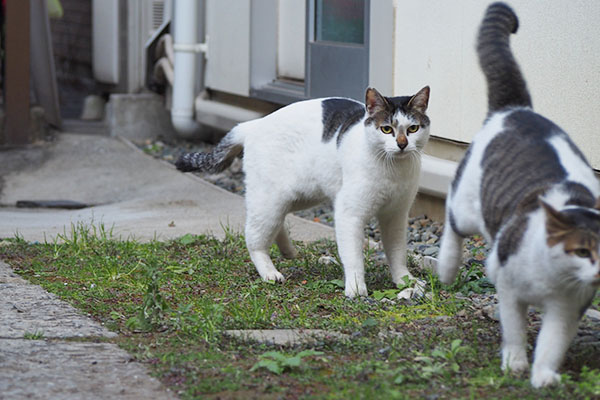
x,y
528,189
365,159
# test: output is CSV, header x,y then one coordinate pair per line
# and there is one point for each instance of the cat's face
x,y
573,236
397,126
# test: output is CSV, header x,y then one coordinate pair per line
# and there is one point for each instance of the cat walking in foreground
x,y
365,159
528,189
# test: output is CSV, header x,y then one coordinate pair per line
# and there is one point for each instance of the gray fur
x,y
506,86
216,161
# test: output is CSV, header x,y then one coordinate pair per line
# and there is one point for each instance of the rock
x,y
430,251
593,314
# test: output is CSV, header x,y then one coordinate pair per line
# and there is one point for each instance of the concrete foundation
x,y
138,117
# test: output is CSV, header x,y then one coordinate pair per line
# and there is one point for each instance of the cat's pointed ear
x,y
375,102
556,223
420,101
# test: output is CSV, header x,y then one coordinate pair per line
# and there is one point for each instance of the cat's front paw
x,y
514,360
274,276
354,290
544,377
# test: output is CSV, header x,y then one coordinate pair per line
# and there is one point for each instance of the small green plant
x,y
277,362
436,364
393,293
154,306
37,335
186,239
473,280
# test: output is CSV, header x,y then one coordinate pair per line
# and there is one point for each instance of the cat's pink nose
x,y
402,141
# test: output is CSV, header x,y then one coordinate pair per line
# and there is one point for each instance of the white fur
x,y
288,167
536,275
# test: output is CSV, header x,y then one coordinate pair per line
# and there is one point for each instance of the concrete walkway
x,y
135,196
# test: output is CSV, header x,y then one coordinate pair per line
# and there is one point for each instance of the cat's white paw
x,y
273,276
352,291
514,360
544,377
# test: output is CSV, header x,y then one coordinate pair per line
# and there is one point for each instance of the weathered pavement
x,y
57,366
131,194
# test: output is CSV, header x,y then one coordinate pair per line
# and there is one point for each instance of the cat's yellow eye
x,y
387,129
412,128
583,253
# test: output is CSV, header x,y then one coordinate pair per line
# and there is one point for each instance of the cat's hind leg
x,y
559,326
263,224
393,226
286,247
450,255
393,236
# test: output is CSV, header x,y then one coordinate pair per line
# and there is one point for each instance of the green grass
x,y
170,302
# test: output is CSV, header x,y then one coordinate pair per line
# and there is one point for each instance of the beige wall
x,y
557,46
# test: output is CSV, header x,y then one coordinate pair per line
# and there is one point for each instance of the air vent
x,y
158,13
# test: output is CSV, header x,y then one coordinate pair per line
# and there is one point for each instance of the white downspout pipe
x,y
186,49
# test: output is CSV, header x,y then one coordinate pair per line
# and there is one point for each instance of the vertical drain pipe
x,y
186,48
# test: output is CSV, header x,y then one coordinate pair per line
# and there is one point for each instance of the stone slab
x,y
286,337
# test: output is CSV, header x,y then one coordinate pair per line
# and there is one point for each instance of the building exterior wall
x,y
557,47
72,47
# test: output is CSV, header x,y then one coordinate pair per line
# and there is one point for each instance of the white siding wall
x,y
557,46
291,39
228,30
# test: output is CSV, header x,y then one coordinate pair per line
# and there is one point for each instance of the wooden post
x,y
16,127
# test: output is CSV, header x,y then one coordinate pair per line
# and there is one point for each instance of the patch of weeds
x,y
154,307
277,362
588,384
37,335
442,361
184,293
472,280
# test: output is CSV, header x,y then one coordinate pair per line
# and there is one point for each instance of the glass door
x,y
337,54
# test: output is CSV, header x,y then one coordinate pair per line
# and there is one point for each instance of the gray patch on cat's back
x,y
339,115
579,195
510,238
453,225
461,168
518,165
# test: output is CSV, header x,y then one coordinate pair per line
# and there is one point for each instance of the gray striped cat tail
x,y
217,160
506,85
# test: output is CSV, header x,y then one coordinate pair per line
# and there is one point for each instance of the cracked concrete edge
x,y
51,367
26,308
